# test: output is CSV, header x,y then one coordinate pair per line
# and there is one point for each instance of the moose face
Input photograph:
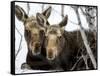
x,y
34,35
34,28
54,40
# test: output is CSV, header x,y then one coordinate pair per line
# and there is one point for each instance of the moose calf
x,y
62,47
34,36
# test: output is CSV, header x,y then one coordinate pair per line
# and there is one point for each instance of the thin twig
x,y
85,61
62,11
89,51
19,43
76,63
95,28
68,19
42,7
83,11
28,8
88,19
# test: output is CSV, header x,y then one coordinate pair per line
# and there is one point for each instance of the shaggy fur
x,y
34,36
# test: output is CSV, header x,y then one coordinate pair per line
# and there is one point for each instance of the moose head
x,y
33,28
54,39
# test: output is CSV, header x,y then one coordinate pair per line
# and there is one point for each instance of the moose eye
x,y
27,29
41,31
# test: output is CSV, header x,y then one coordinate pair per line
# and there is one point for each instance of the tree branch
x,y
89,51
19,43
28,8
42,7
85,60
62,11
61,16
76,63
89,18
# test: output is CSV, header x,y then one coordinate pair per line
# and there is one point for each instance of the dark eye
x,y
46,38
41,31
27,30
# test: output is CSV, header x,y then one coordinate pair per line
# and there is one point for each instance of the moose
x,y
62,47
34,36
51,47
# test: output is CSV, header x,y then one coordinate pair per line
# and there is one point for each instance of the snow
x,y
54,18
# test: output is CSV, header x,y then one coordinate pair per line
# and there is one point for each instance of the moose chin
x,y
34,36
62,47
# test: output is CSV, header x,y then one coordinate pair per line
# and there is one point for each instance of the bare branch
x,y
61,16
90,16
28,8
62,11
42,7
91,20
83,11
76,63
89,51
19,43
85,60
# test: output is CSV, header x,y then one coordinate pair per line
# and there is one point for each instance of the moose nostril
x,y
37,45
50,55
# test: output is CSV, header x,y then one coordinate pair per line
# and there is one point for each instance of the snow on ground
x,y
55,18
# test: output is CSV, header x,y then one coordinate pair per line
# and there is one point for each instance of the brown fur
x,y
63,51
34,36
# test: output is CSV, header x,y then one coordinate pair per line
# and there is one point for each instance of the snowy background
x,y
54,18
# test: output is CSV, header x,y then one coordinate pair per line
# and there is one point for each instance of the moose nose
x,y
50,54
37,45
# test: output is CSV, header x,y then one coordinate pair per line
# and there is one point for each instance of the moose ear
x,y
41,19
64,21
20,13
47,12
